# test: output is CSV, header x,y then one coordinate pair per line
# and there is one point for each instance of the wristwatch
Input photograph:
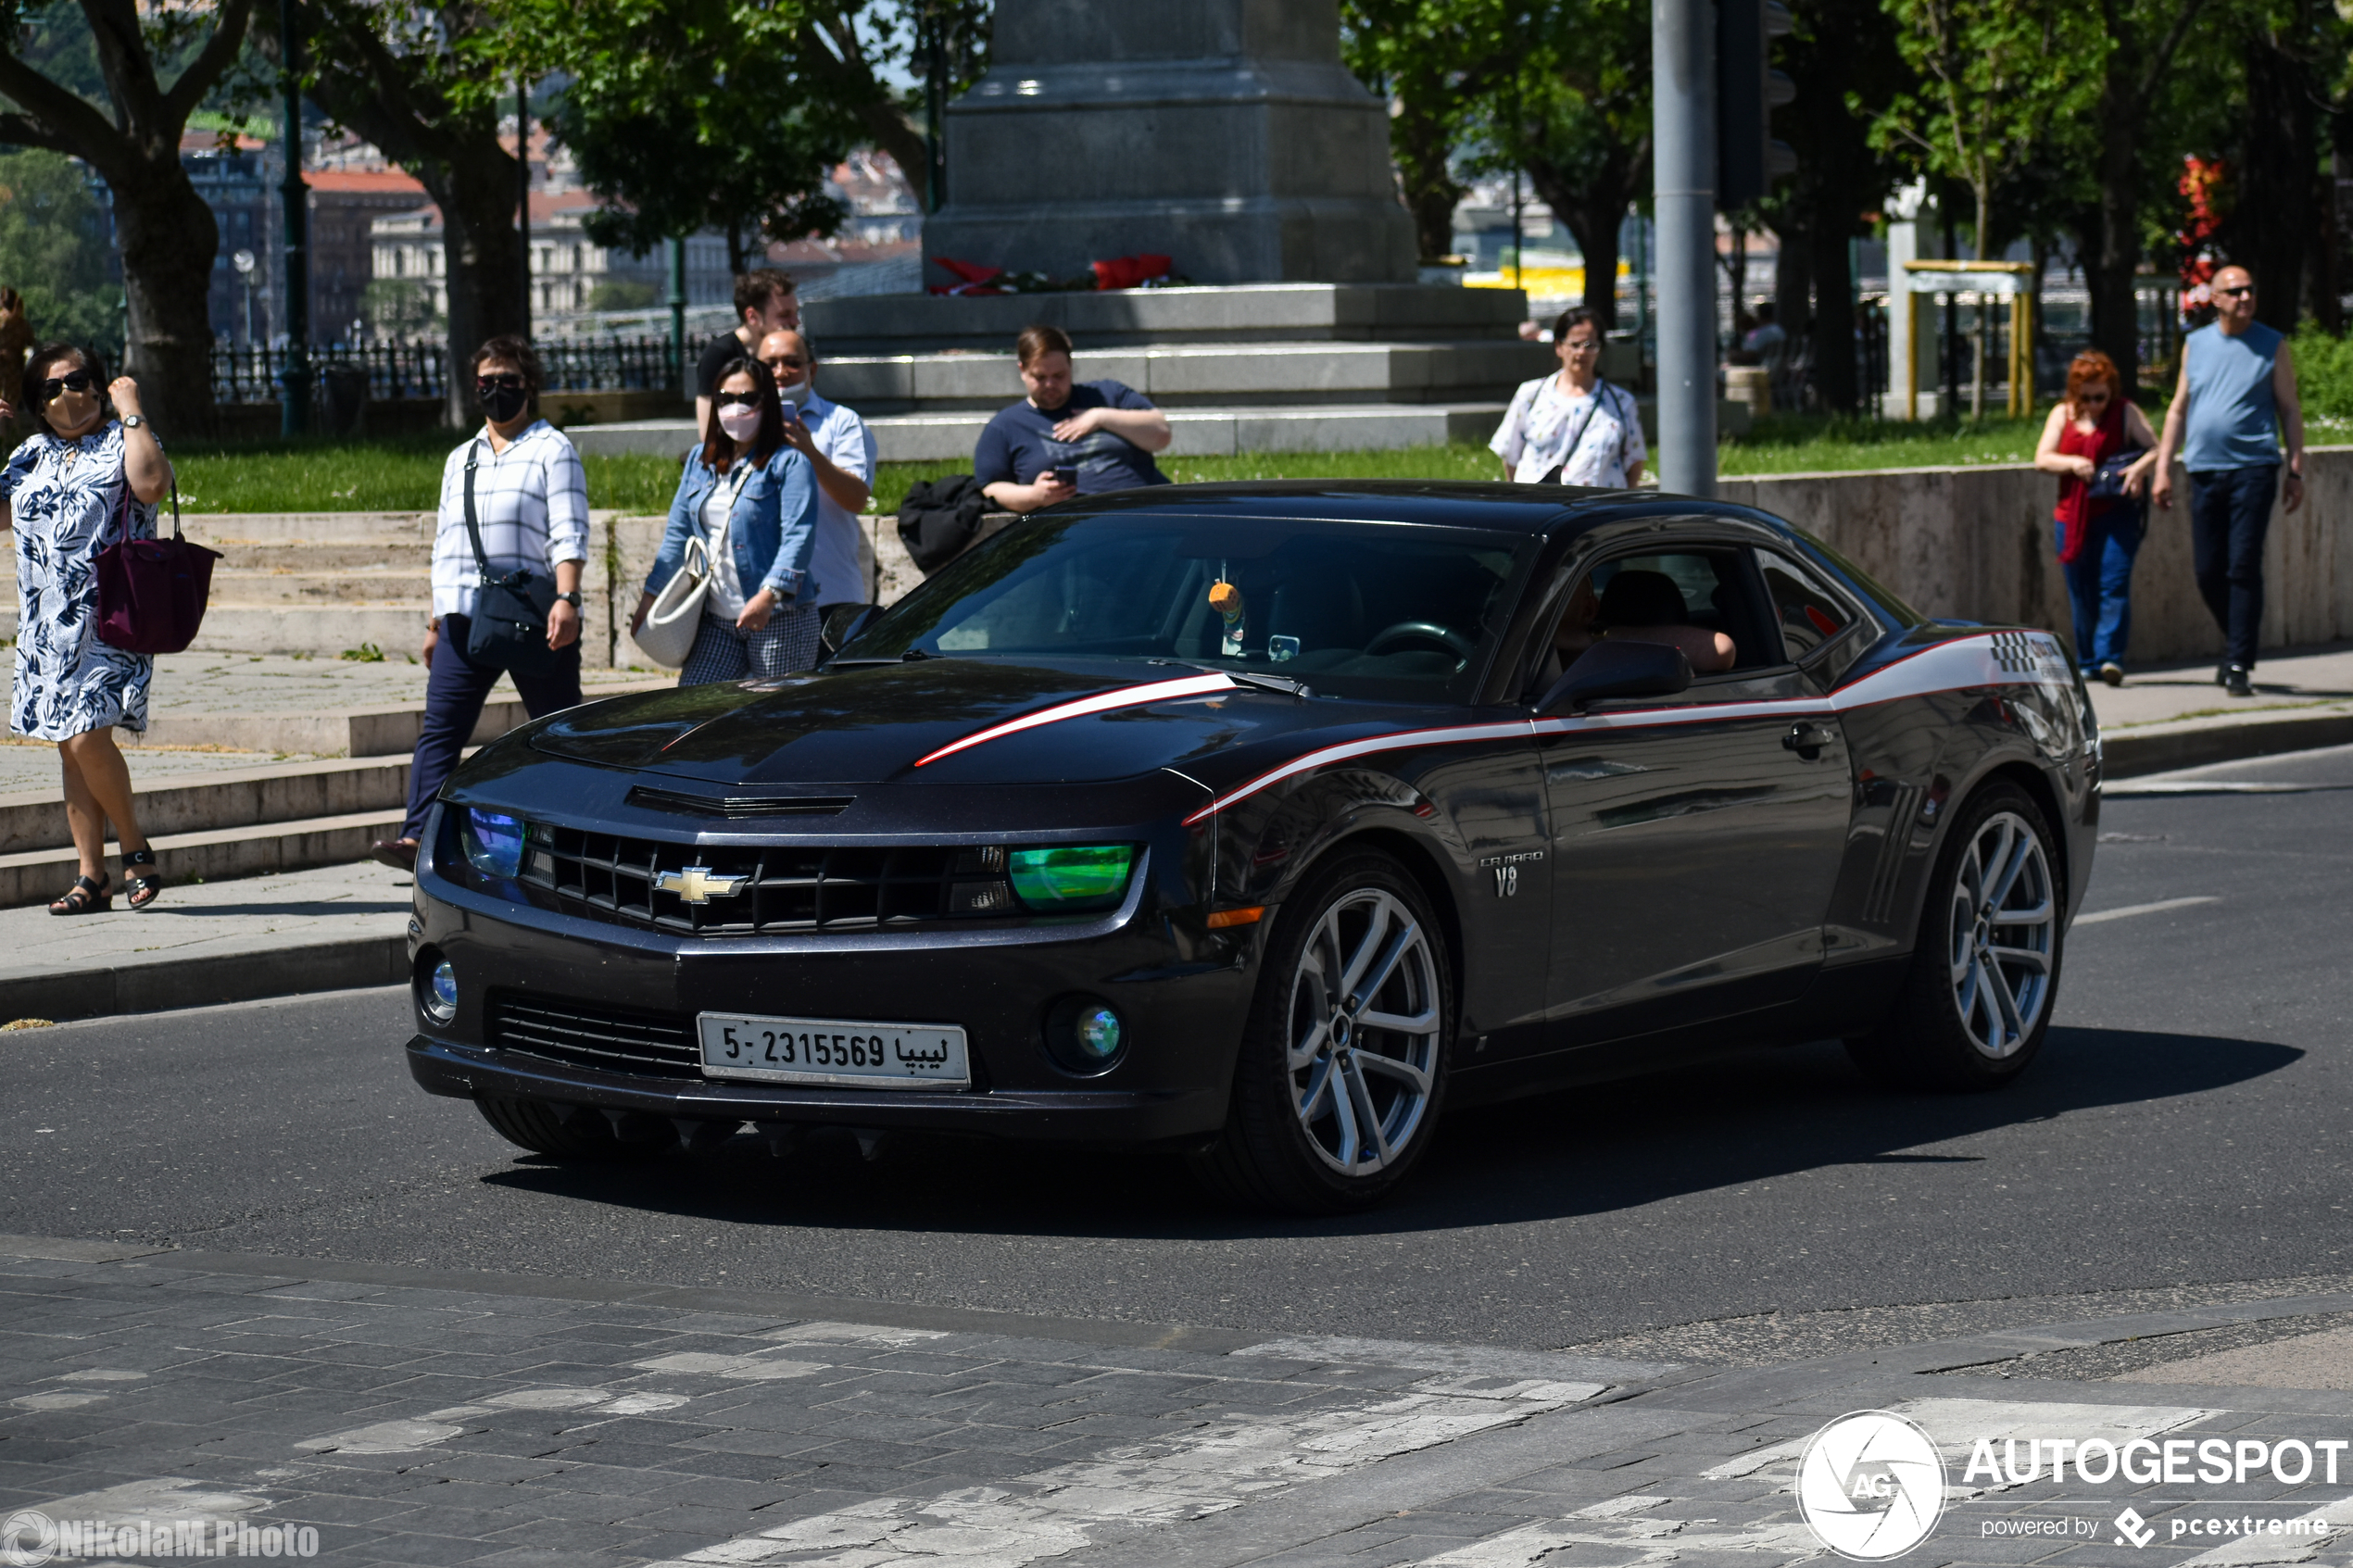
x,y
134,422
572,598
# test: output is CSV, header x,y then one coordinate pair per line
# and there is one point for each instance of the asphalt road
x,y
2183,1139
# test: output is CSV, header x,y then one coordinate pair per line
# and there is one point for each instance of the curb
x,y
2195,743
66,995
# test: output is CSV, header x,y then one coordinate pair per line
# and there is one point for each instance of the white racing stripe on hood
x,y
1102,702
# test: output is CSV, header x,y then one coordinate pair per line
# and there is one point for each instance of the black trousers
x,y
455,691
2230,513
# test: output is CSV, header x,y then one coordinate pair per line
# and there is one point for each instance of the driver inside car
x,y
1637,607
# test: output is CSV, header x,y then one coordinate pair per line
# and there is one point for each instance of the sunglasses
x,y
498,384
738,400
2234,294
73,381
785,362
2094,397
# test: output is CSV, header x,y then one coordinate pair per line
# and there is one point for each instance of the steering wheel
x,y
1424,632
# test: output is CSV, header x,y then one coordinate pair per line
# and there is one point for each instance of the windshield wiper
x,y
1281,684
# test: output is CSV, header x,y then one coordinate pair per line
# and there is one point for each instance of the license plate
x,y
829,1050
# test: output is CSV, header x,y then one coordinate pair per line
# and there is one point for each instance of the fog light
x,y
440,996
1085,1035
494,843
1097,1032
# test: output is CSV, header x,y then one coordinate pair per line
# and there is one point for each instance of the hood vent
x,y
736,808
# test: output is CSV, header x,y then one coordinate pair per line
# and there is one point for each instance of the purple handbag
x,y
152,591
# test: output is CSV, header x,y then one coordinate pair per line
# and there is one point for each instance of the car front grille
x,y
756,890
650,1044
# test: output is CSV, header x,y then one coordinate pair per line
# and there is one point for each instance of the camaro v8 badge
x,y
697,885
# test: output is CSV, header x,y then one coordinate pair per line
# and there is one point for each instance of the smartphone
x,y
1065,475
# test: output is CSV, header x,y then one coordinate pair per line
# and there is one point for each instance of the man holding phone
x,y
841,450
1065,439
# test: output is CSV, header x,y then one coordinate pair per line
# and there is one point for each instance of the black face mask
x,y
503,403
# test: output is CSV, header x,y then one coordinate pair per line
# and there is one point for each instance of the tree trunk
x,y
1593,211
168,239
1834,340
482,250
2273,225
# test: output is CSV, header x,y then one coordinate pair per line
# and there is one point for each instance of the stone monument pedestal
x,y
1223,133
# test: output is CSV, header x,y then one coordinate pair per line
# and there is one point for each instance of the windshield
x,y
1375,610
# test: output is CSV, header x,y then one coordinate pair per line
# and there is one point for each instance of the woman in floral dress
x,y
84,481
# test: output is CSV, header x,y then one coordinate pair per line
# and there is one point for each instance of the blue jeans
x,y
2230,512
455,691
2099,586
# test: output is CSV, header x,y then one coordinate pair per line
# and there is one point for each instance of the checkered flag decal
x,y
2016,653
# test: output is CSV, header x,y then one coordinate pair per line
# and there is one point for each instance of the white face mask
x,y
741,424
794,393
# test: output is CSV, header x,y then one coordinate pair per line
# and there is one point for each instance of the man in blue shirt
x,y
2236,398
1102,435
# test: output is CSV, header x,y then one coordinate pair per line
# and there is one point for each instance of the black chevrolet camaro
x,y
1263,824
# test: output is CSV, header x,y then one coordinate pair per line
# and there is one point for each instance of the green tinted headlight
x,y
1072,876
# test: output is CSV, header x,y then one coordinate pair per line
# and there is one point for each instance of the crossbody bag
x,y
510,624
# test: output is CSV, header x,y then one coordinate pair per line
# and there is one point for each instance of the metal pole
x,y
293,381
522,191
1683,169
934,109
678,314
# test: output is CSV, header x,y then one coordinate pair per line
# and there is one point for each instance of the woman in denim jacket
x,y
760,615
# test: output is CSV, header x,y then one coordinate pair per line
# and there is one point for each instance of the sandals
x,y
142,890
84,897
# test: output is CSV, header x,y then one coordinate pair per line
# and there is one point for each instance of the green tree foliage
x,y
53,251
695,114
1437,62
154,65
1582,128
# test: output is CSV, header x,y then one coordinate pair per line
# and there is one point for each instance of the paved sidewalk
x,y
2289,680
388,1415
321,929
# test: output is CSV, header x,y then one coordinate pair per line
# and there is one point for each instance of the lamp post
x,y
678,313
523,193
1683,167
293,381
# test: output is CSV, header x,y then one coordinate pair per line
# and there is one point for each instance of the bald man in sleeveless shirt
x,y
2235,400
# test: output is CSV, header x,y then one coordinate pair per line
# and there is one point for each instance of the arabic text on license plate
x,y
829,1050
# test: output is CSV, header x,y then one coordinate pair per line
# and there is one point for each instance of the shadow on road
x,y
1580,1152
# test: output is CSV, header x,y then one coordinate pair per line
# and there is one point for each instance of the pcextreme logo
x,y
1870,1486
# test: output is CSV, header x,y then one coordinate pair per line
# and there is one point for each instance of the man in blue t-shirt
x,y
2234,400
1102,435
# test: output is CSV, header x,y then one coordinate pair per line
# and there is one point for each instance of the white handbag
x,y
674,619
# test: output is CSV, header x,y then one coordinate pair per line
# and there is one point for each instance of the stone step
x,y
229,531
1266,375
241,798
407,586
36,876
1222,314
904,438
390,729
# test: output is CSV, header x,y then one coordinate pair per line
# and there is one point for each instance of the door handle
x,y
1807,740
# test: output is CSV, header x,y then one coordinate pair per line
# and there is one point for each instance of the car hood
x,y
886,723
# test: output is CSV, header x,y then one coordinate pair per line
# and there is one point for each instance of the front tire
x,y
1986,962
1341,1071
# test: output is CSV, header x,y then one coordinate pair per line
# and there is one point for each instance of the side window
x,y
1809,614
1696,599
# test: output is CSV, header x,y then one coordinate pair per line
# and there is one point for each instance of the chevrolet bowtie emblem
x,y
697,885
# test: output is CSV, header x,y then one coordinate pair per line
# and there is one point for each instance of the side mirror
x,y
841,623
1611,669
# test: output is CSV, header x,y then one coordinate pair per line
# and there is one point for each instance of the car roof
x,y
1516,508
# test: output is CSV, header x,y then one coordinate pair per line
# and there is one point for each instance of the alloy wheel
x,y
2005,925
1364,1027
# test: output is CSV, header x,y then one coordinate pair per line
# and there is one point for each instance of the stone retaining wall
x,y
1975,544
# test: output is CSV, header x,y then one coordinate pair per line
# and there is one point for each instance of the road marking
x,y
1189,1475
852,1333
1469,1359
438,1426
2158,908
2212,787
1653,1540
744,1368
383,1437
1956,1425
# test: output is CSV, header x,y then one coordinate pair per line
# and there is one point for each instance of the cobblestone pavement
x,y
386,1415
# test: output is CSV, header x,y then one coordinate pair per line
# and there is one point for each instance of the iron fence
x,y
419,369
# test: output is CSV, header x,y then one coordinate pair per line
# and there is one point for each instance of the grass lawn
x,y
404,473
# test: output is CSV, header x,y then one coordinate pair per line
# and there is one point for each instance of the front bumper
x,y
1182,997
